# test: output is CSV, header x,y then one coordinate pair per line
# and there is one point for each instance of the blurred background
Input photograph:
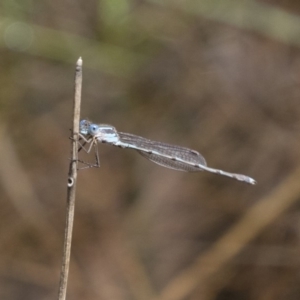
x,y
220,77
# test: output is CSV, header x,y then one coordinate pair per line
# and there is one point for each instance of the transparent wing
x,y
163,154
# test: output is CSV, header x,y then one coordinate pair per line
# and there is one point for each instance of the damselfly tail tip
x,y
250,180
245,179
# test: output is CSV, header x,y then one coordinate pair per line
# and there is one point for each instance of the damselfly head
x,y
84,127
88,128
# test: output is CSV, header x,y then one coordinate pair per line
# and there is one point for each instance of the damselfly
x,y
169,156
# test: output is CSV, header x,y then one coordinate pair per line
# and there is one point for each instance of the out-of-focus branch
x,y
262,18
256,219
59,45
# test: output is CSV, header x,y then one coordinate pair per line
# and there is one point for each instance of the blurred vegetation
x,y
221,77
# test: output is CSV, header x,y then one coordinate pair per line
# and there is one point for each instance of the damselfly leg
x,y
92,143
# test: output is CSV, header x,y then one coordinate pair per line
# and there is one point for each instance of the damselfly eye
x,y
93,128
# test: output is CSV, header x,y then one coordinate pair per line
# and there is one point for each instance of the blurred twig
x,y
24,198
261,215
265,19
59,45
131,266
71,184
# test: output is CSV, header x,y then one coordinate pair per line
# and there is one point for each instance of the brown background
x,y
220,77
